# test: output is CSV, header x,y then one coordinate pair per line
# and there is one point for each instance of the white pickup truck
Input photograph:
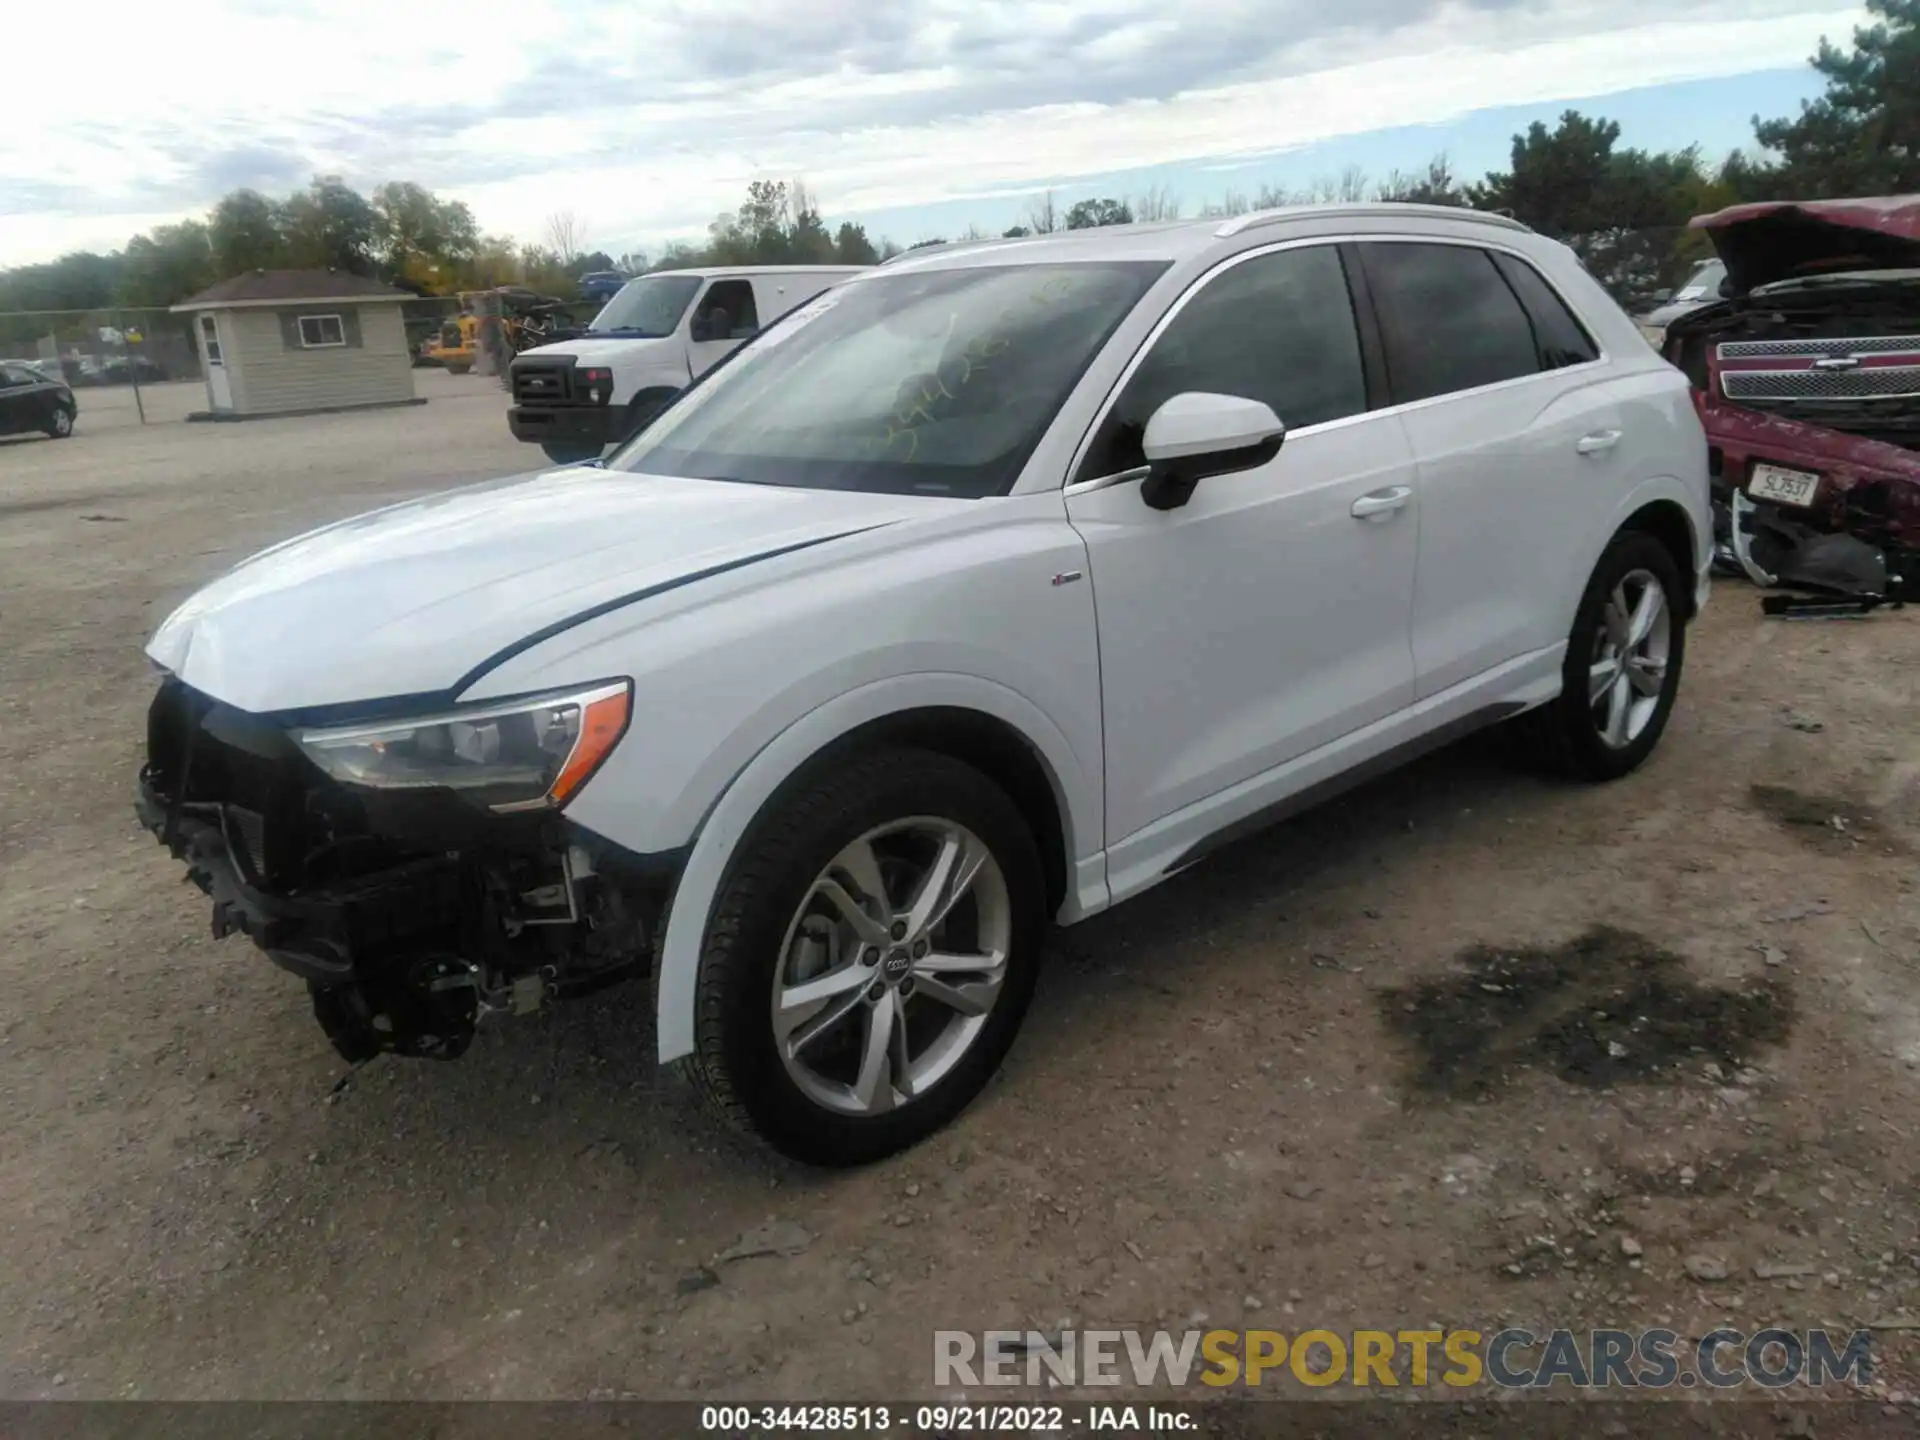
x,y
660,333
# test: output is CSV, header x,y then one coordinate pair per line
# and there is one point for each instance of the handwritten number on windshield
x,y
915,408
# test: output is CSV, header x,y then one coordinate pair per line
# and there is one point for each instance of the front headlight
x,y
530,754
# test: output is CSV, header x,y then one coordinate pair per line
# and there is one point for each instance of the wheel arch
x,y
980,723
1668,522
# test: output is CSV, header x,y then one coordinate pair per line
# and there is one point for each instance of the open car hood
x,y
1782,240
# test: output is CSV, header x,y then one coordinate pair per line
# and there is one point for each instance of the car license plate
x,y
1786,487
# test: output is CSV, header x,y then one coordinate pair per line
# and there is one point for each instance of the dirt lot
x,y
1463,1049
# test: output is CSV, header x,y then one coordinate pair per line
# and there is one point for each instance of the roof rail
x,y
949,247
1254,218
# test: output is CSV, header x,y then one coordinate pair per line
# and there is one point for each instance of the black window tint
x,y
1561,338
1450,321
1278,328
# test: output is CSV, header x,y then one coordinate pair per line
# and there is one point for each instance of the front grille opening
x,y
1878,382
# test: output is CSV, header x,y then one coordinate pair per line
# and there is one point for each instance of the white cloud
x,y
877,107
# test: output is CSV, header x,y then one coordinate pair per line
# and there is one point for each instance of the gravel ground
x,y
1462,1049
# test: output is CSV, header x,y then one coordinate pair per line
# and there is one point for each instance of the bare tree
x,y
1274,197
1352,185
1156,203
566,234
1234,202
1043,216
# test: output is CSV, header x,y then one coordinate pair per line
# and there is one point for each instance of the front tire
x,y
60,423
568,454
1622,670
869,959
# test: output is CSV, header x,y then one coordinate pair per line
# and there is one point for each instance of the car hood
x,y
420,597
1779,240
586,349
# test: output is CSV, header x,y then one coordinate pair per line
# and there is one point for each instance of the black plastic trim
x,y
1381,764
1373,348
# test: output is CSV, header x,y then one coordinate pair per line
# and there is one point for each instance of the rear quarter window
x,y
1558,334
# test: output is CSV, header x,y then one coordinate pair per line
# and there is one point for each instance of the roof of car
x,y
1177,239
268,287
721,272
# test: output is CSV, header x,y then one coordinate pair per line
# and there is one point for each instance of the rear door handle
x,y
1381,503
1598,443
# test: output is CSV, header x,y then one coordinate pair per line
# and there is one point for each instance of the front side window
x,y
321,332
646,309
726,312
1277,328
937,382
1449,320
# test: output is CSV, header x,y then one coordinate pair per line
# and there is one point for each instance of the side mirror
x,y
1198,434
697,331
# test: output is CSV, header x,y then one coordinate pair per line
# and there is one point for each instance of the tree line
x,y
1623,209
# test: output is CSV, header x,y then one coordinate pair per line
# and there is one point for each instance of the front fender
x,y
677,958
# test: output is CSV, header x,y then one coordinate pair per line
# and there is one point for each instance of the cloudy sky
x,y
647,118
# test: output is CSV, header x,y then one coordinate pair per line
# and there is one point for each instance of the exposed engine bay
x,y
411,914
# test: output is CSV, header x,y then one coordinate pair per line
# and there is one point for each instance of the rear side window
x,y
1450,321
1559,337
1277,328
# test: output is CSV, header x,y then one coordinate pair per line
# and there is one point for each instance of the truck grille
x,y
535,383
1825,368
1879,382
1821,347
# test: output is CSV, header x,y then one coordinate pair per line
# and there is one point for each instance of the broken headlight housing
x,y
513,755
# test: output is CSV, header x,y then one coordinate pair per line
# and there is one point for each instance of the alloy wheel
x,y
891,965
1628,670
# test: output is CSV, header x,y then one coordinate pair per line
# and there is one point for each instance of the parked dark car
x,y
1807,377
31,400
600,286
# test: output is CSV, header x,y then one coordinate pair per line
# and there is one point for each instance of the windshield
x,y
648,308
1703,282
936,383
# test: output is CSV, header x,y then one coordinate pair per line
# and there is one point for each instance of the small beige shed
x,y
300,342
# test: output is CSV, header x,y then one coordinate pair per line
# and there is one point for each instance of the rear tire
x,y
1622,670
453,368
819,1078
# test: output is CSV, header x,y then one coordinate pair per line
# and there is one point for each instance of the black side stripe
x,y
606,607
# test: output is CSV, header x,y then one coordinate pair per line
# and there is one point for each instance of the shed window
x,y
319,332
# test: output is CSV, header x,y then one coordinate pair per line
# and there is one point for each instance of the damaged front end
x,y
417,875
1807,378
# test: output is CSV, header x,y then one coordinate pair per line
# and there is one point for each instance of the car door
x,y
16,401
1266,616
724,316
1503,399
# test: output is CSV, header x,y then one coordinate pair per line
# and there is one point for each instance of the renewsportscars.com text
x,y
1654,1359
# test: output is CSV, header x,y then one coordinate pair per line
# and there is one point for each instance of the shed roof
x,y
279,287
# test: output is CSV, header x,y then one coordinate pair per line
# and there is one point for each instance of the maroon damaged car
x,y
1807,376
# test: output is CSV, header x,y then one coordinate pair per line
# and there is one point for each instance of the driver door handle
x,y
1598,443
1379,504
